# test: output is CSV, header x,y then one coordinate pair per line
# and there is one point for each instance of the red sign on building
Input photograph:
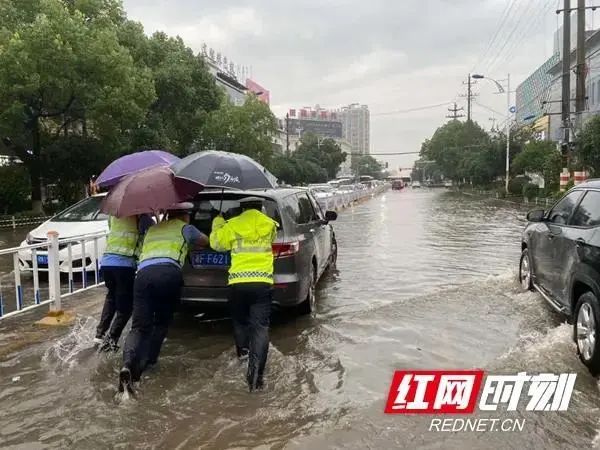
x,y
262,93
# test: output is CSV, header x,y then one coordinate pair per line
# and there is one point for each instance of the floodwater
x,y
426,280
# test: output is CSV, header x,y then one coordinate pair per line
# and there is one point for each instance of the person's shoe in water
x,y
108,345
126,381
255,381
98,340
243,354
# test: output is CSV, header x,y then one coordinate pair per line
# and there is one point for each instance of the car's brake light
x,y
285,249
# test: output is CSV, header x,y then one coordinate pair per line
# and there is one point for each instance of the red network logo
x,y
434,392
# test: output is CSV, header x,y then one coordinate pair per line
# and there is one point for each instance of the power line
x,y
507,9
529,28
506,33
403,111
488,108
517,26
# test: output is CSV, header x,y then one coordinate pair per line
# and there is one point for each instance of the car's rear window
x,y
85,211
207,208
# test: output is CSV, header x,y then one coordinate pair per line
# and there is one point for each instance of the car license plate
x,y
42,259
210,259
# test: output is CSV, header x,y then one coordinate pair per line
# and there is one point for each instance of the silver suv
x,y
304,250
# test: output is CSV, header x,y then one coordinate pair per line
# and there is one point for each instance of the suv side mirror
x,y
537,215
330,216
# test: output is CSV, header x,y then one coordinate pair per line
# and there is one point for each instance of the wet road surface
x,y
426,280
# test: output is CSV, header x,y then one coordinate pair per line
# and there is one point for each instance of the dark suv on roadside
x,y
304,250
561,259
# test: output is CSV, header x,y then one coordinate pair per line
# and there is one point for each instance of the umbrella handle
x,y
221,204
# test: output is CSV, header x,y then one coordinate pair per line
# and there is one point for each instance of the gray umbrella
x,y
225,170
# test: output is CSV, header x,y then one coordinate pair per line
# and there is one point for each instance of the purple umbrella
x,y
133,163
149,191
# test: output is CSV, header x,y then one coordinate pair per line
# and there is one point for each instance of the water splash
x,y
65,351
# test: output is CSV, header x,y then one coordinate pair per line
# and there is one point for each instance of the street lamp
x,y
501,90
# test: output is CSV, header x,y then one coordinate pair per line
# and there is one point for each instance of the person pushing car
x,y
157,290
249,238
118,265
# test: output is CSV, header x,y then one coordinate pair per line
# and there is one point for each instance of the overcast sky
x,y
389,54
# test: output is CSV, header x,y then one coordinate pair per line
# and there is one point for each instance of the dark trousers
x,y
119,301
156,294
250,308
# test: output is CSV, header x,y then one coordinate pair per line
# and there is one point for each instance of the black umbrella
x,y
225,170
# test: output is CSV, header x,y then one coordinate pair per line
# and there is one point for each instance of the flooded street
x,y
426,280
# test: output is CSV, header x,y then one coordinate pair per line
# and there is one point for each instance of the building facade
x,y
356,126
592,88
533,92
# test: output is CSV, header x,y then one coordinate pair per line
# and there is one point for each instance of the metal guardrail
x,y
339,201
518,199
50,252
14,222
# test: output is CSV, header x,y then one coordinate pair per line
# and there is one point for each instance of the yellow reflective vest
x,y
165,240
248,237
123,237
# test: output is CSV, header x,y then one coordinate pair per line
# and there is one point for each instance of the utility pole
x,y
508,124
287,134
580,86
454,111
566,77
469,95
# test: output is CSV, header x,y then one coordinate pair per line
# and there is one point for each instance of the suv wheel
x,y
308,305
333,258
587,314
525,271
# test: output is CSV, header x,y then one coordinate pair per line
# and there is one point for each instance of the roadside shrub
x,y
15,189
516,185
531,191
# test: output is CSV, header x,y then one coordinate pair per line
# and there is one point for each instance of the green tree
x,y
367,165
69,161
63,71
325,153
14,188
458,149
246,129
297,171
540,157
589,151
186,91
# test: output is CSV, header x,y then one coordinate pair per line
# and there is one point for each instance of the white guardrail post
x,y
54,271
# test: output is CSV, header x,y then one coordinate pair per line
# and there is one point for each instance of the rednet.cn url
x,y
479,425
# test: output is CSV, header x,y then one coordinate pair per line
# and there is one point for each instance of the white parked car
x,y
80,219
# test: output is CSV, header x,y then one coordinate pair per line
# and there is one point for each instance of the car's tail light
x,y
285,249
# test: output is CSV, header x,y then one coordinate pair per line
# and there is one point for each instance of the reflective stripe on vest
x,y
165,240
123,236
250,275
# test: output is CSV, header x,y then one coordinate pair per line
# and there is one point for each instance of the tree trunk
x,y
34,168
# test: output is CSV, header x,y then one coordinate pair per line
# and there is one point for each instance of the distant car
x,y
397,184
560,258
416,184
83,217
305,248
448,184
